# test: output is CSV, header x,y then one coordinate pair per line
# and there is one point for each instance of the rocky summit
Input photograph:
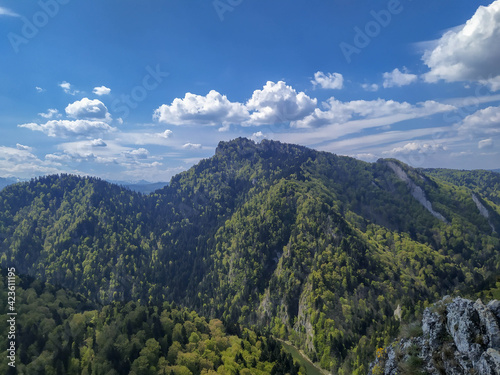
x,y
456,337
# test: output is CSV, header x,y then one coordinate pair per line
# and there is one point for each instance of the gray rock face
x,y
462,324
459,337
482,210
416,191
433,328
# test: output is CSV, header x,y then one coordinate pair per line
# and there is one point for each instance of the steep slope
x,y
486,182
317,248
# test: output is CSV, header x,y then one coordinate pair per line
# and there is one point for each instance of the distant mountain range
x,y
6,181
142,186
326,251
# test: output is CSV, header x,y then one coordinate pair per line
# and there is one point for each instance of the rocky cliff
x,y
456,336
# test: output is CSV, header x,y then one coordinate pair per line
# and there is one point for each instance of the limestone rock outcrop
x,y
457,337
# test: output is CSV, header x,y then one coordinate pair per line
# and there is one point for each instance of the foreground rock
x,y
457,336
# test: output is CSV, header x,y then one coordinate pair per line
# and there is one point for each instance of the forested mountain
x,y
327,251
60,332
484,182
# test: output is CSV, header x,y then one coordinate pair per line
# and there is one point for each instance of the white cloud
x,y
98,143
396,78
88,109
493,83
140,153
277,103
416,147
39,89
68,88
334,81
258,136
470,53
95,149
23,147
369,157
370,87
486,121
166,134
377,143
102,90
57,158
67,128
50,113
485,143
22,163
191,146
7,12
212,109
337,112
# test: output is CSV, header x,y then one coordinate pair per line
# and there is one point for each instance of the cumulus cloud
x,y
166,134
101,90
39,89
67,128
50,113
191,146
485,143
334,81
212,109
68,88
396,78
486,121
470,53
337,112
277,103
257,137
88,109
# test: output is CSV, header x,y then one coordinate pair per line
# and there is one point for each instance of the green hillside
x,y
317,248
59,332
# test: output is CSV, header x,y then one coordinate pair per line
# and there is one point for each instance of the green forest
x,y
327,252
61,332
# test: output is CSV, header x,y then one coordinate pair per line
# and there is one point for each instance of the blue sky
x,y
131,90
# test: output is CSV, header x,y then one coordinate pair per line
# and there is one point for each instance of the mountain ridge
x,y
319,249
